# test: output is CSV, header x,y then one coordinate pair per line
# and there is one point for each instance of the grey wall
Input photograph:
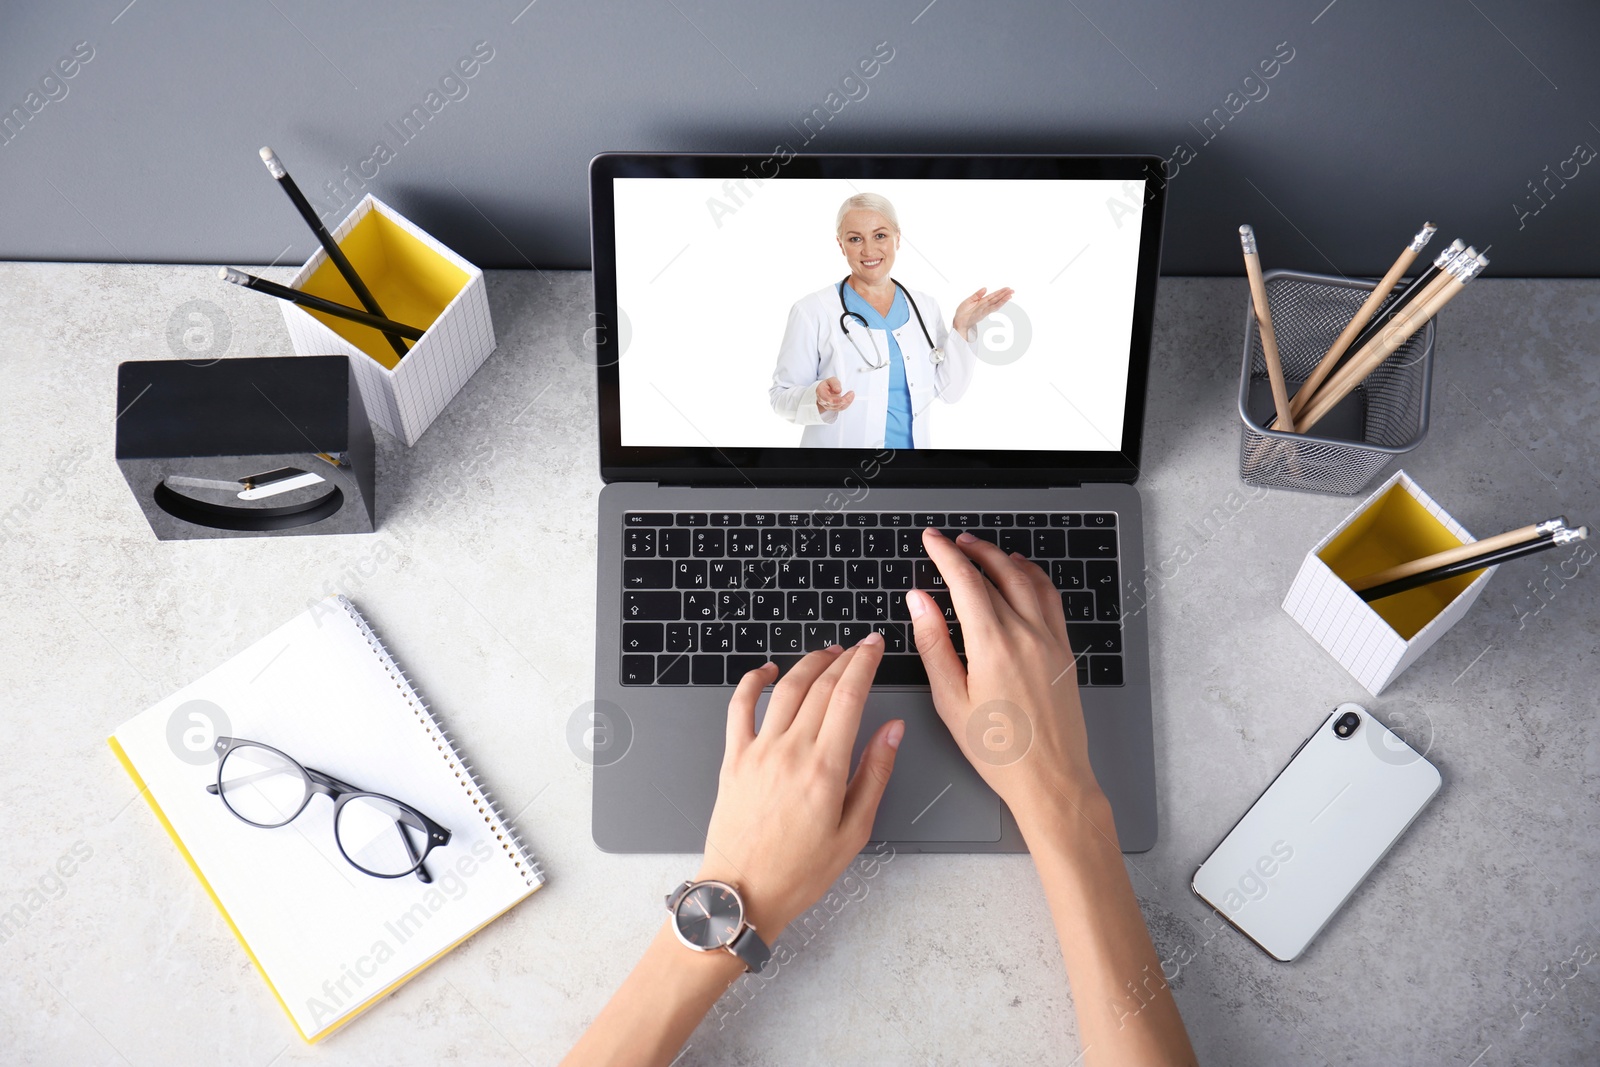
x,y
1385,115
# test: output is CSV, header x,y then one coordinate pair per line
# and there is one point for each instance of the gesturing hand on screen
x,y
977,307
831,397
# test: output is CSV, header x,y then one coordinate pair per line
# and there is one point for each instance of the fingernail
x,y
874,638
965,538
935,531
915,604
897,730
1019,557
836,649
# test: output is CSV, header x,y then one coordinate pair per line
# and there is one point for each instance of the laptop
x,y
750,514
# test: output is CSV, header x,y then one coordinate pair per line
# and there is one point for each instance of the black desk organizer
x,y
266,446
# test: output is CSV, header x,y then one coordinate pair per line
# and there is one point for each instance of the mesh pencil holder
x,y
1382,418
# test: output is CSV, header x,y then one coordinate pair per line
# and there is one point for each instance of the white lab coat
x,y
815,348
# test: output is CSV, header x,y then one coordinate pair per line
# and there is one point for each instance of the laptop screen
x,y
806,316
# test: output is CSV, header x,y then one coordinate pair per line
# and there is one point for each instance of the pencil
x,y
1395,334
1460,552
316,303
1269,340
329,245
1401,317
1383,289
1418,284
1478,562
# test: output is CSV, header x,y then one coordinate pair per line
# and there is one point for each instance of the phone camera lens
x,y
1346,724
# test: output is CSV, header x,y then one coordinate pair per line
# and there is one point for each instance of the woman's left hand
x,y
977,307
789,816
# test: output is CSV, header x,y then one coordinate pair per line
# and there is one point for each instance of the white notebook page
x,y
329,937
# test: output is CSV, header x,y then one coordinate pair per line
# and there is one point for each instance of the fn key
x,y
638,670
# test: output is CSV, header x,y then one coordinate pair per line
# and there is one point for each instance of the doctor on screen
x,y
863,359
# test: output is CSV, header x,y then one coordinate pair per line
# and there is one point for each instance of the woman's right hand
x,y
831,397
1014,708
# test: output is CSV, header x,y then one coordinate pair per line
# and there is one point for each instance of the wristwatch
x,y
709,915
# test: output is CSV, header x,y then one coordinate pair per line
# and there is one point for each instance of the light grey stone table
x,y
1473,943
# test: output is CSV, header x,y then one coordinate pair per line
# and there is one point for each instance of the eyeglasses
x,y
378,835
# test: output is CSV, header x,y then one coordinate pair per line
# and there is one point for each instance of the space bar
x,y
901,670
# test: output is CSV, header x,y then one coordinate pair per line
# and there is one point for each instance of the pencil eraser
x,y
270,158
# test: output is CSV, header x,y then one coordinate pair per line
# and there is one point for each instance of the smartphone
x,y
1348,793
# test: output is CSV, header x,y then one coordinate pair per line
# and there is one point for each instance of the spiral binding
x,y
506,834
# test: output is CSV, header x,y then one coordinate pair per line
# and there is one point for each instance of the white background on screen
x,y
708,303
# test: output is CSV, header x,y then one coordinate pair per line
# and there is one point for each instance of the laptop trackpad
x,y
934,794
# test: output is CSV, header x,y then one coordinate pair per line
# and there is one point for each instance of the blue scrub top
x,y
897,430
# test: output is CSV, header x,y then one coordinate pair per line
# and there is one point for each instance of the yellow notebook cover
x,y
329,939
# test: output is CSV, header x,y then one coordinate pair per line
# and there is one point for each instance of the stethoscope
x,y
935,354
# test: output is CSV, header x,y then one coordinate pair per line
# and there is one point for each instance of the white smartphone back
x,y
1305,845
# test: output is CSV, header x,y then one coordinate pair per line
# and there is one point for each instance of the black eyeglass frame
x,y
341,793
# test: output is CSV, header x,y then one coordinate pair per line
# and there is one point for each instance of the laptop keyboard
x,y
709,595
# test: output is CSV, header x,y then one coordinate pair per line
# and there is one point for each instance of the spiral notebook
x,y
330,940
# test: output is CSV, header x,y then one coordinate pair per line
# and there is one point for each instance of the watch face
x,y
709,916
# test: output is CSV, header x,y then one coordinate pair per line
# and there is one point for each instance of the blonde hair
x,y
869,202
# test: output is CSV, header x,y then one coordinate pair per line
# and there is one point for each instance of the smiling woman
x,y
827,377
